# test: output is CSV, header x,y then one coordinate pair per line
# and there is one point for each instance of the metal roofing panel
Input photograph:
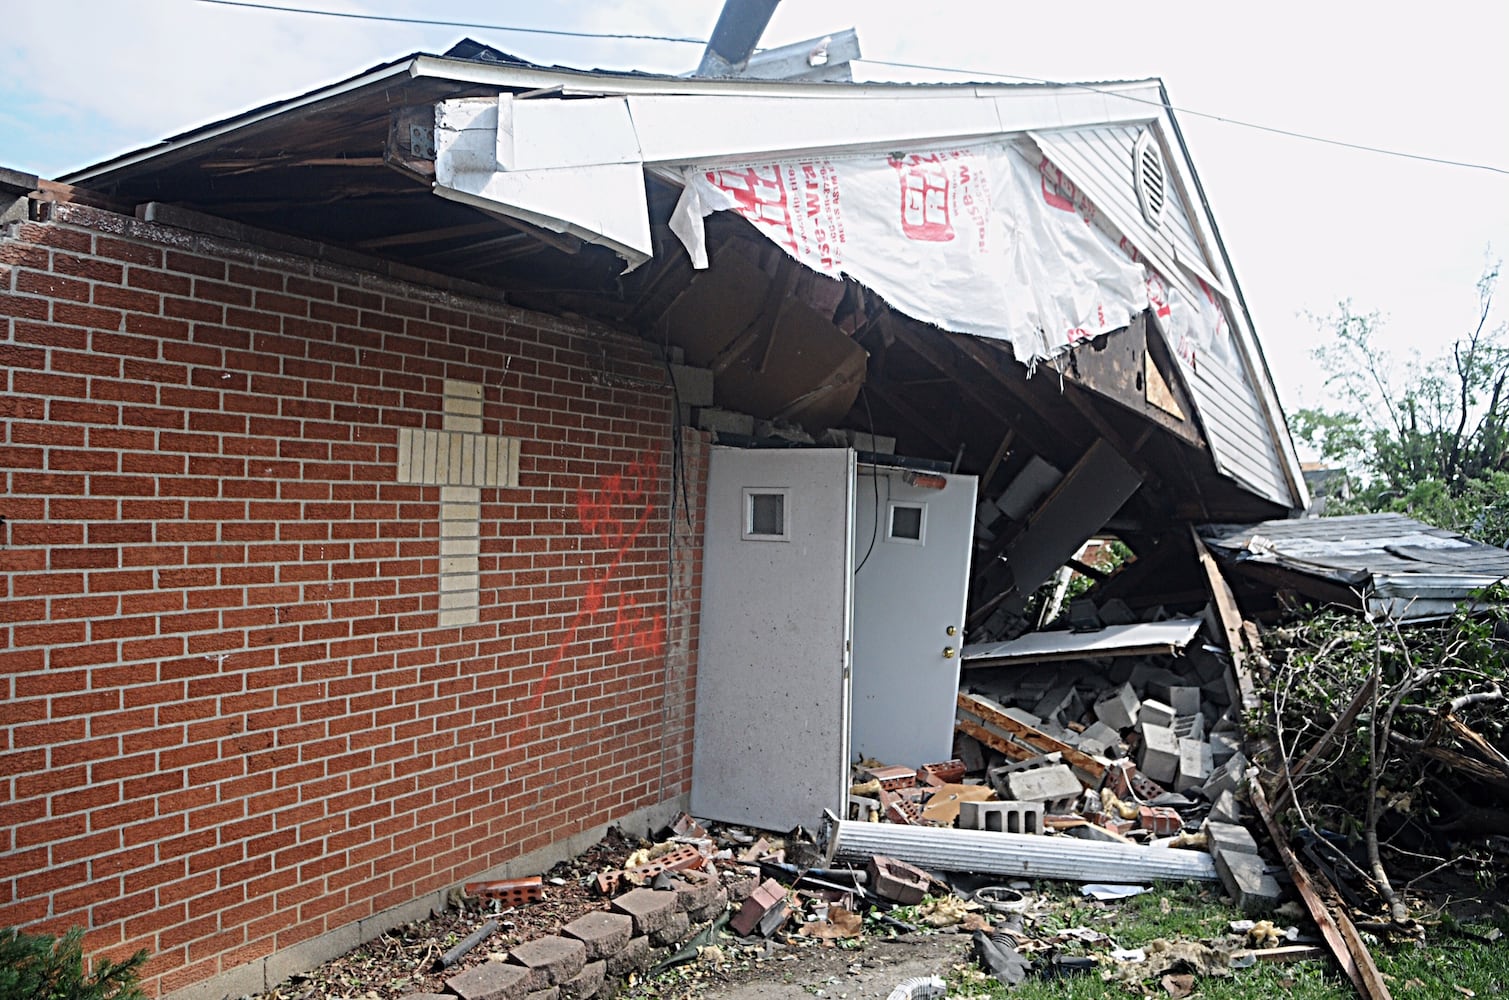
x,y
1405,568
1136,639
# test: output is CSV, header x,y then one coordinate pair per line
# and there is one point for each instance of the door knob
x,y
948,652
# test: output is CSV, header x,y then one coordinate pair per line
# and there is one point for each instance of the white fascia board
x,y
606,203
602,203
540,134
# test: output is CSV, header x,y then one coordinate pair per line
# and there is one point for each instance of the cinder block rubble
x,y
1158,754
1195,764
1054,786
1119,708
1247,881
1002,817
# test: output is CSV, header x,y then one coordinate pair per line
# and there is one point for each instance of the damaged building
x,y
406,480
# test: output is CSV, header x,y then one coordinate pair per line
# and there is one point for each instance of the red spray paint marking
x,y
634,628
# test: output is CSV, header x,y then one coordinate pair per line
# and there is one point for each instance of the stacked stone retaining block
x,y
594,952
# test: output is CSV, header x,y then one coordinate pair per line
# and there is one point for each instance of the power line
x,y
683,40
455,24
1205,114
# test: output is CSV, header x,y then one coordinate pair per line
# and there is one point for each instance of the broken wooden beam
x,y
1336,927
1090,769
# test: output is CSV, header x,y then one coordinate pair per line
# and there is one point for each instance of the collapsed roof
x,y
1057,309
1388,565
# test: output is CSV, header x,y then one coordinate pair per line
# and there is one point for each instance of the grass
x,y
1172,912
1456,961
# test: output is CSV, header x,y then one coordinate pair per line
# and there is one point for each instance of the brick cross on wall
x,y
462,461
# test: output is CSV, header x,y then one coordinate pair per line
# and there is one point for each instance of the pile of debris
x,y
1081,772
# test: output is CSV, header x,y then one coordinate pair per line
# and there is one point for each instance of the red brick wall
x,y
231,722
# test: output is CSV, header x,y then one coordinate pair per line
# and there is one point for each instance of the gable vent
x,y
1149,179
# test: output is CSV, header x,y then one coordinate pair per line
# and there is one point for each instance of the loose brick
x,y
490,981
649,909
602,933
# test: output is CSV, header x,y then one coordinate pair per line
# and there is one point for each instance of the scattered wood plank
x,y
1283,954
1225,603
1335,925
1038,740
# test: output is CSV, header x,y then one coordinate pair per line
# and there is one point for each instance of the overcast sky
x,y
1306,224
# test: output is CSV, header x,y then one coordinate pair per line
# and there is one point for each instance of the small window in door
x,y
908,522
765,515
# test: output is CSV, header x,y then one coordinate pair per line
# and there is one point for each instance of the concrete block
x,y
650,910
636,956
971,751
1223,746
1184,700
602,933
1189,727
490,981
1053,701
1247,881
896,880
1226,778
1154,681
551,960
1098,738
1119,708
1048,785
1156,713
1195,765
766,896
694,386
1225,808
673,930
712,911
1229,837
694,890
725,421
1158,754
1001,817
586,983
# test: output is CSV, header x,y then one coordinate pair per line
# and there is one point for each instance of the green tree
x,y
42,967
1429,438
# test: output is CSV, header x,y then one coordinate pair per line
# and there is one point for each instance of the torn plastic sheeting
x,y
1005,249
1026,855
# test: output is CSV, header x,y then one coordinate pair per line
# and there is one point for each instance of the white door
x,y
912,539
771,745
